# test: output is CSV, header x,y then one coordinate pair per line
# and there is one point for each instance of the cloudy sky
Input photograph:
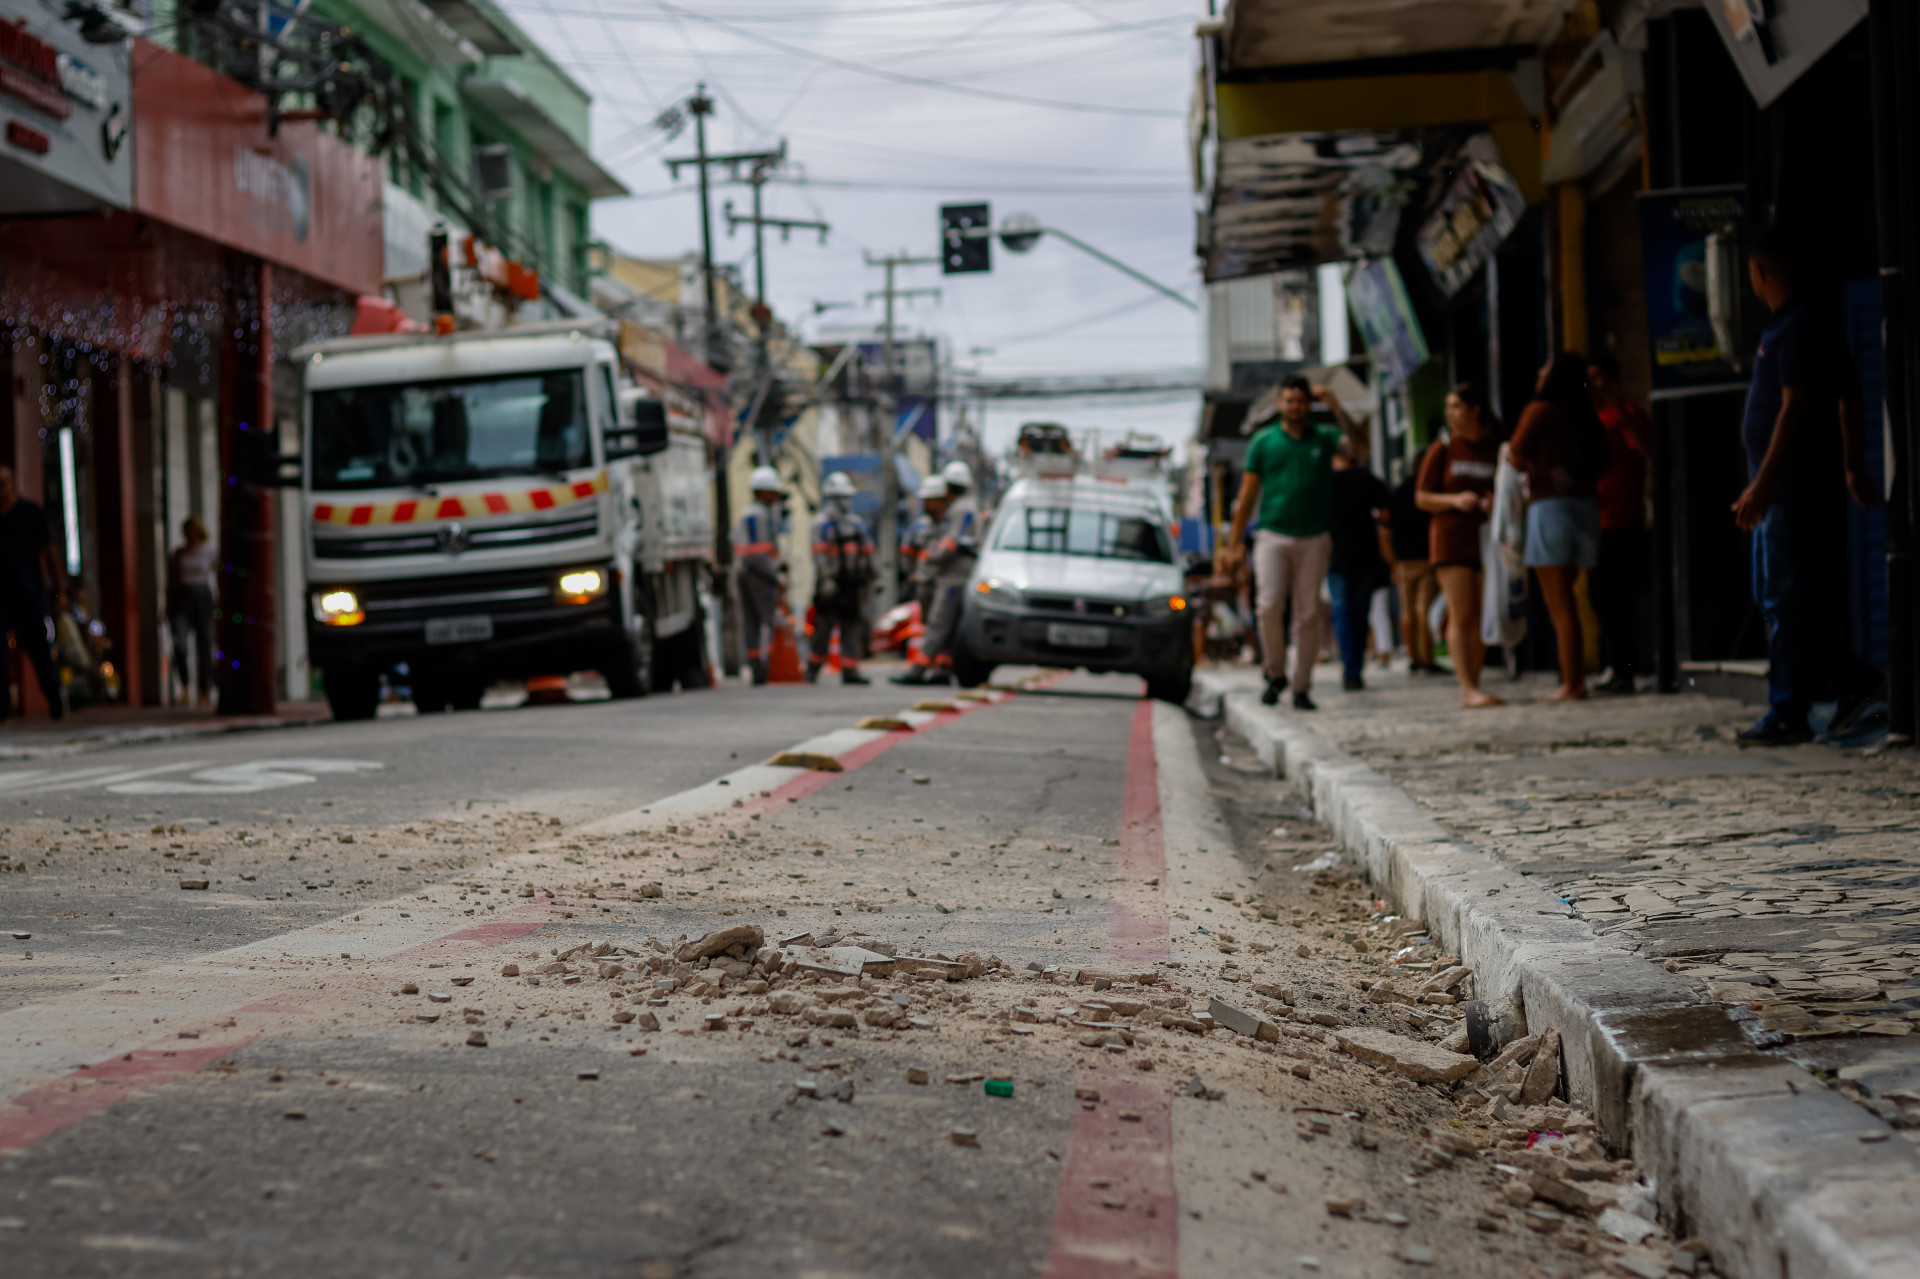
x,y
1071,110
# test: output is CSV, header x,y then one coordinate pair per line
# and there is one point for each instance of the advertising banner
x,y
299,198
1377,299
64,113
1674,226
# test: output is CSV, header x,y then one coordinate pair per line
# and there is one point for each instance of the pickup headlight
x,y
1161,607
580,585
992,590
338,608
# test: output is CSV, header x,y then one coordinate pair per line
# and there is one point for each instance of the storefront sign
x,y
1674,226
1478,211
64,104
300,198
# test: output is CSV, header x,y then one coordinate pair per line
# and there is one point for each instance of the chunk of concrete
x,y
747,936
1543,1076
1410,1058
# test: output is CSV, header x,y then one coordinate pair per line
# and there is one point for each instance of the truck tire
x,y
969,670
681,659
465,694
429,696
629,668
353,692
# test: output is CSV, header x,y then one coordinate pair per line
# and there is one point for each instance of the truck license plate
x,y
459,630
1067,635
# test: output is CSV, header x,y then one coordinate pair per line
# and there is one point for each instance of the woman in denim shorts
x,y
1561,447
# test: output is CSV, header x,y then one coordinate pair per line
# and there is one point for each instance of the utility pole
x,y
888,533
759,222
700,106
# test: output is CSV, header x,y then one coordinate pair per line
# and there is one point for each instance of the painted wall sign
x,y
300,198
1478,211
65,107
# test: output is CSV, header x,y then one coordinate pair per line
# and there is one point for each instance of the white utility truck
x,y
496,505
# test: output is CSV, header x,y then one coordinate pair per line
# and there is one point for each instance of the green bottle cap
x,y
999,1087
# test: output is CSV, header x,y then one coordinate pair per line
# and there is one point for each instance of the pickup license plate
x,y
459,630
1068,635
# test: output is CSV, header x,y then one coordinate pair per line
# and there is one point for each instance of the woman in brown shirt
x,y
1456,488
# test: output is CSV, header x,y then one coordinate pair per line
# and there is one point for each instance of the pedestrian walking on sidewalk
x,y
1413,565
1561,448
1289,480
190,610
1620,579
1456,489
1806,451
842,572
759,568
1359,560
27,568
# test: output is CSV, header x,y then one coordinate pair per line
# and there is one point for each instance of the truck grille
x,y
475,593
439,540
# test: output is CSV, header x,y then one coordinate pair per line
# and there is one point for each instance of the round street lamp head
x,y
1020,232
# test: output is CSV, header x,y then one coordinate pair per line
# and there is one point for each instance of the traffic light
x,y
965,242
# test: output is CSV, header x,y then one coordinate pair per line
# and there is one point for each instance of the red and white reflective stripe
x,y
471,506
756,548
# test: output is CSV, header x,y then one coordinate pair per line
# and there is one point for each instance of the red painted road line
x,y
27,1117
1131,1226
88,1091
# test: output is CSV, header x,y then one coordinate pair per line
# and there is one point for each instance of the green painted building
x,y
501,121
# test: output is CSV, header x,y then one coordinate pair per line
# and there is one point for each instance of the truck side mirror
x,y
642,433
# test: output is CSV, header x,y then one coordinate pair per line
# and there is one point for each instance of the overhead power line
x,y
923,82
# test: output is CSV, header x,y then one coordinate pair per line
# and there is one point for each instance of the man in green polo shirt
x,y
1289,474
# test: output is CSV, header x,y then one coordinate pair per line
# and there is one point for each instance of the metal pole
x,y
759,240
701,106
887,534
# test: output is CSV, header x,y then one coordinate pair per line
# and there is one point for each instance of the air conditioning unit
x,y
493,172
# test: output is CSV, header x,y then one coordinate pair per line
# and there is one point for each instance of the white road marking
x,y
245,779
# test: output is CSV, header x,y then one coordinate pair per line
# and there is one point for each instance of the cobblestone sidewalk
x,y
1786,882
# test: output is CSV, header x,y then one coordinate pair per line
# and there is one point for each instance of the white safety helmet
x,y
839,484
957,474
932,487
764,480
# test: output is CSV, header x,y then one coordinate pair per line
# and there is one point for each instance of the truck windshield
x,y
430,432
1064,530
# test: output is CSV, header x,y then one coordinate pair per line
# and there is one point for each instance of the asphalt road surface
x,y
371,1046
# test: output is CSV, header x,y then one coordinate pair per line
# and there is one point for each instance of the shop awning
x,y
1264,35
519,108
1330,115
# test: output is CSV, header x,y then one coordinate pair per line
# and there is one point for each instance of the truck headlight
x,y
1161,607
992,590
338,608
580,586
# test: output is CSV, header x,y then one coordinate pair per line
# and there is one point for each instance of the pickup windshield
x,y
1066,530
459,429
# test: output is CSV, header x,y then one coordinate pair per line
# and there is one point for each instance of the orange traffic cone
x,y
783,660
547,690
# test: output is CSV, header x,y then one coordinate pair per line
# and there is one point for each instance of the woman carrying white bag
x,y
1456,487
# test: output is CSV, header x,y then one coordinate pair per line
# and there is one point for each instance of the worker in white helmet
x,y
919,537
758,568
948,564
842,574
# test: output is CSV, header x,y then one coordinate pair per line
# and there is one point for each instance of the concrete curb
x,y
1783,1178
82,743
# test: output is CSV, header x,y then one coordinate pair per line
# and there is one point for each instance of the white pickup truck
x,y
491,505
